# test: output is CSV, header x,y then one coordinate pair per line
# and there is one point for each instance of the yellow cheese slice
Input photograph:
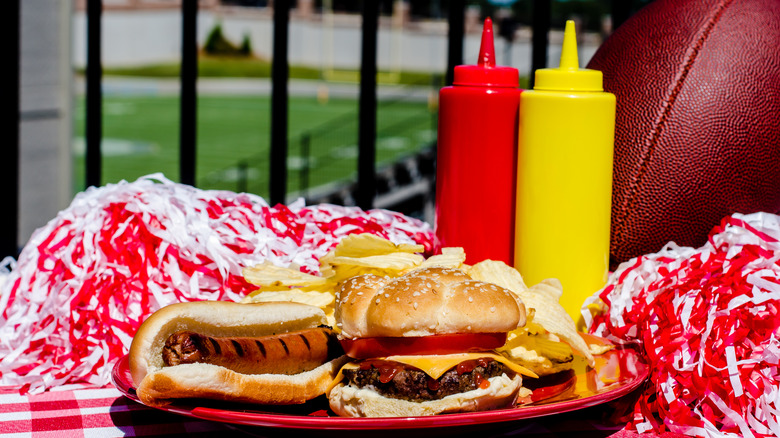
x,y
436,365
340,375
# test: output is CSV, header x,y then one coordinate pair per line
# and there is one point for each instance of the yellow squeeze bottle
x,y
564,179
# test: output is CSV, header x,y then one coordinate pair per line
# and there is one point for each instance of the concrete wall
x,y
154,36
46,101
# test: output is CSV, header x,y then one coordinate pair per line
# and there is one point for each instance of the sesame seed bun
x,y
427,301
349,401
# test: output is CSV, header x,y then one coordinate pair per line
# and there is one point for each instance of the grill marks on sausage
x,y
237,346
260,348
215,346
286,353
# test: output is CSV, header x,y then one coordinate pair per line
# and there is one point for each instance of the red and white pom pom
x,y
85,282
709,322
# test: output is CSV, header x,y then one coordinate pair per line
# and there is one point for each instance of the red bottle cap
x,y
486,73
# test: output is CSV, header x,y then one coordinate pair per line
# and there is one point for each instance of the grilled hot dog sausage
x,y
286,353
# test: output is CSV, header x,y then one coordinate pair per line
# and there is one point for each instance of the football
x,y
697,128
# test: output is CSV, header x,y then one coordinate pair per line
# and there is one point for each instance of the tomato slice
x,y
367,348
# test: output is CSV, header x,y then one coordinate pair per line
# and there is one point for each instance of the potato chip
x,y
322,299
370,251
548,343
369,254
552,316
395,261
264,289
349,271
551,287
543,354
356,254
315,298
268,274
542,297
597,349
499,273
449,258
391,265
363,245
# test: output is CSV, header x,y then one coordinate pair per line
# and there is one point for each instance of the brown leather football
x,y
697,129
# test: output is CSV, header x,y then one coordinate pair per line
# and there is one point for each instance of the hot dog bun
x,y
157,384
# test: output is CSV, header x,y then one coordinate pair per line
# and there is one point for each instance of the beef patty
x,y
400,381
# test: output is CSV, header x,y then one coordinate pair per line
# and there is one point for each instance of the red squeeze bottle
x,y
476,158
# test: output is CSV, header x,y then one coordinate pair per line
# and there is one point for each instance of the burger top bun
x,y
215,318
427,301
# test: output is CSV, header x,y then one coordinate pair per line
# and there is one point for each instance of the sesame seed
x,y
415,305
492,309
471,299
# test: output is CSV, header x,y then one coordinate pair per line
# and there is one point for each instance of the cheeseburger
x,y
270,353
423,344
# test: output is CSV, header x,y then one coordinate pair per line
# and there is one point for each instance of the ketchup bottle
x,y
476,157
564,192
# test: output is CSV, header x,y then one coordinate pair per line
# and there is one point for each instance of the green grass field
x,y
141,136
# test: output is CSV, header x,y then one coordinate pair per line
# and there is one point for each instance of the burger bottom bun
x,y
349,401
201,380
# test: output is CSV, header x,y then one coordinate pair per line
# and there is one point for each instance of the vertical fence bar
x,y
279,97
188,123
542,11
366,188
94,94
10,99
455,31
620,11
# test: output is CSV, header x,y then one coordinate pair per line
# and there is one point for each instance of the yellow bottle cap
x,y
569,76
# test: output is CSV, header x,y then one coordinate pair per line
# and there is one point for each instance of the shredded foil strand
x,y
708,320
85,282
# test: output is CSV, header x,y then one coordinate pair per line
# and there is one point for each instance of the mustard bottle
x,y
564,179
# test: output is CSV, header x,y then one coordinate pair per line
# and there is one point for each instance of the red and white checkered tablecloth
x,y
105,412
90,412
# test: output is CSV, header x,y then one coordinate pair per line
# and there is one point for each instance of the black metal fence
x,y
369,183
9,125
322,164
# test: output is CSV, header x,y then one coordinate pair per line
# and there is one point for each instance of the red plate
x,y
617,373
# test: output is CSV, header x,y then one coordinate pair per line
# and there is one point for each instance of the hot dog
x,y
287,353
269,353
